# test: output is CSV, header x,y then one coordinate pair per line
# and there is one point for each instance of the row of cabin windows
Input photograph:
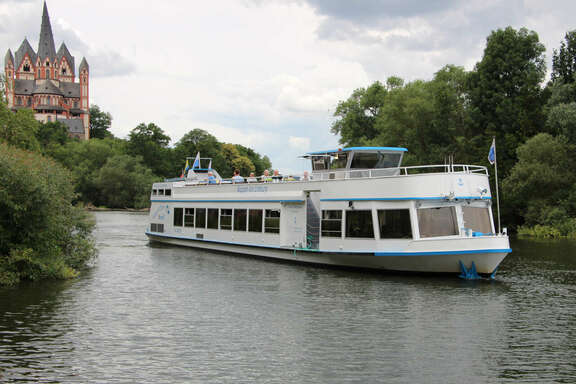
x,y
395,223
161,192
236,219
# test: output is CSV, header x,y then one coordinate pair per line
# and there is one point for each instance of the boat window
x,y
154,192
332,223
160,192
435,222
255,220
200,217
239,219
226,219
213,218
477,219
359,224
189,217
178,217
320,163
339,160
168,192
272,221
394,224
156,227
371,160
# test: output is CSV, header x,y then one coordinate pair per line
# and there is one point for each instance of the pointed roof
x,y
83,64
9,59
46,47
25,48
64,52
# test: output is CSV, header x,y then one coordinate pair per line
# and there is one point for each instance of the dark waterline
x,y
167,315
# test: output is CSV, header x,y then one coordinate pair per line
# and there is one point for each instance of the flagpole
x,y
497,195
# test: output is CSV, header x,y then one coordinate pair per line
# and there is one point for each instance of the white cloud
x,y
299,143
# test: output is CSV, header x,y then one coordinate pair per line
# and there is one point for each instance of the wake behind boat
x,y
358,208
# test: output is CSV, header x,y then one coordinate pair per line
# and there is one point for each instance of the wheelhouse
x,y
356,161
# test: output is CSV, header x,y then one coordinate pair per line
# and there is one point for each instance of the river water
x,y
157,314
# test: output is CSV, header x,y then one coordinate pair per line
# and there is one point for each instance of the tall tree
x,y
564,60
151,143
541,187
100,123
505,94
200,141
356,116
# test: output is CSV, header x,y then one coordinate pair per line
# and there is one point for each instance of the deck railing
x,y
350,174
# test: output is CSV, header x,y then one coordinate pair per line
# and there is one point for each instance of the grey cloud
x,y
374,10
110,63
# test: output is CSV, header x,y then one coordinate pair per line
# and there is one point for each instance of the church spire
x,y
46,47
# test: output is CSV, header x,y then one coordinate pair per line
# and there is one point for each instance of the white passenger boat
x,y
358,208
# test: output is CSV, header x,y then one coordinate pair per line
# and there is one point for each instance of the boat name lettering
x,y
253,188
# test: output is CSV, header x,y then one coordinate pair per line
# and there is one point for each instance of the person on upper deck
x,y
237,178
277,177
266,176
211,178
252,178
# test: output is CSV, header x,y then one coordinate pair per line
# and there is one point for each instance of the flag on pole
x,y
196,162
492,153
187,167
210,164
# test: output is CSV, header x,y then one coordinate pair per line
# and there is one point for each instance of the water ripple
x,y
168,315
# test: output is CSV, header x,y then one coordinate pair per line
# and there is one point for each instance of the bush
x,y
124,182
42,235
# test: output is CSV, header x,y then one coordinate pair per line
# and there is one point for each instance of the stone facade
x,y
45,81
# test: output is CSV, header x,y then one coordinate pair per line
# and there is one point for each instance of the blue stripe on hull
x,y
406,198
431,253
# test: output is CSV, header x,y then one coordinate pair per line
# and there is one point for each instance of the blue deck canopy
x,y
398,149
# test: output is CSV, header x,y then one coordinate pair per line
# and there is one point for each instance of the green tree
x,y
41,234
356,117
52,134
562,120
84,159
124,182
541,186
2,89
505,95
19,129
200,141
564,60
151,143
100,123
260,162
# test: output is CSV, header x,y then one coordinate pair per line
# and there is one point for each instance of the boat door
x,y
293,225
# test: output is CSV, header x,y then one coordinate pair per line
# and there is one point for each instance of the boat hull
x,y
485,260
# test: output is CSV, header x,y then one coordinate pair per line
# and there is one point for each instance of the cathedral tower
x,y
45,81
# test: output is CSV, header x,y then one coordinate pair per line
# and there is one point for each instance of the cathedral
x,y
45,81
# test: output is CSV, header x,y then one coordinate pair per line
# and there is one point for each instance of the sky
x,y
267,74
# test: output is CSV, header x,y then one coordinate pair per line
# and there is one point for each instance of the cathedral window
x,y
39,73
29,101
26,67
18,100
75,104
63,71
47,63
47,73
